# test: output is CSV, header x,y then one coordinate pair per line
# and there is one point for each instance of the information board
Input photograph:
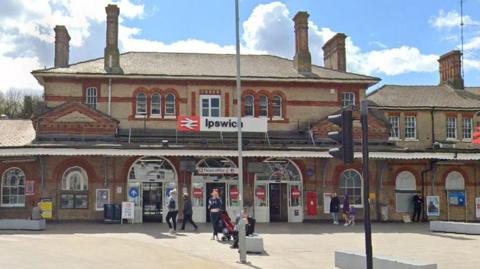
x,y
128,209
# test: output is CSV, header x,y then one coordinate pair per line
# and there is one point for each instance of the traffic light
x,y
343,137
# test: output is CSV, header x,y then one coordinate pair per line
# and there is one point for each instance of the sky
x,y
398,41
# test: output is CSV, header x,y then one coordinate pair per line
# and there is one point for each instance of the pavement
x,y
287,245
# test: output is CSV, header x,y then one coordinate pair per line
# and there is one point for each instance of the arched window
x,y
405,189
91,97
170,105
156,105
13,188
277,106
263,111
454,181
74,189
351,184
141,104
249,106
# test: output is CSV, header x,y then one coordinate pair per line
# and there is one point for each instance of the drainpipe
x,y
379,188
110,88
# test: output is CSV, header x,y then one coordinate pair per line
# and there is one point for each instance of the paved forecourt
x,y
308,245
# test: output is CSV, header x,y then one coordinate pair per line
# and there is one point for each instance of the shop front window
x,y
261,195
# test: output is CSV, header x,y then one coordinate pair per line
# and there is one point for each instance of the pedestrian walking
x,y
417,207
346,210
214,207
334,207
172,211
187,212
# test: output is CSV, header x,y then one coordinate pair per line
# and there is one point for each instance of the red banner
x,y
197,192
260,193
188,123
233,193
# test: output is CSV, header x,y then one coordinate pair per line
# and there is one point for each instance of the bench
x,y
455,227
357,260
22,224
254,244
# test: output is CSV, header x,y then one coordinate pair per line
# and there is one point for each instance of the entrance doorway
x,y
221,191
278,202
152,201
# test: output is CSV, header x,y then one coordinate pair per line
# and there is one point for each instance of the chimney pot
x,y
111,57
334,53
62,46
451,69
302,60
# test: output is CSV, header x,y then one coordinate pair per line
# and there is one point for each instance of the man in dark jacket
x,y
187,212
334,207
417,207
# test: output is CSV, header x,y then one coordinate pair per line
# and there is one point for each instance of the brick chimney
x,y
111,55
302,60
62,46
451,69
334,54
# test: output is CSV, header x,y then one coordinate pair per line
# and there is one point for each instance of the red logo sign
x,y
295,193
197,192
188,123
260,193
234,193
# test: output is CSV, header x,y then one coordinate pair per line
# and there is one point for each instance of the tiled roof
x,y
440,96
216,66
16,133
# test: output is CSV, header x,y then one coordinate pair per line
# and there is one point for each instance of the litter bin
x,y
108,213
117,213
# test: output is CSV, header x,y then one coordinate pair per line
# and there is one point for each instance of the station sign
x,y
220,124
217,170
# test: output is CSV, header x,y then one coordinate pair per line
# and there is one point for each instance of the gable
x,y
75,116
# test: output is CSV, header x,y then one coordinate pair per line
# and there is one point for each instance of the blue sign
x,y
310,172
456,198
133,192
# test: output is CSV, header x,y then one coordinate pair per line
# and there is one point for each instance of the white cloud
x,y
16,72
451,19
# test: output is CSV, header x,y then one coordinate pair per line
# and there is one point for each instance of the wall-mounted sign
x,y
133,192
220,124
46,205
477,207
295,193
456,198
433,206
128,210
197,192
260,193
310,172
217,170
29,187
327,198
102,198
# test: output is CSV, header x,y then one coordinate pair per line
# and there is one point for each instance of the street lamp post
x,y
241,224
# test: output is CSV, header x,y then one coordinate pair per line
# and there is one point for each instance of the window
x,y
141,104
155,106
170,105
249,106
263,112
452,128
13,188
348,98
467,128
410,127
395,129
210,105
454,181
351,185
277,106
91,97
405,189
74,193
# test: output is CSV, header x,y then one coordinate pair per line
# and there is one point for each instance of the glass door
x,y
198,199
152,201
295,202
261,197
232,199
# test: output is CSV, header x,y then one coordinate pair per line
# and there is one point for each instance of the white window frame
x,y
209,108
467,128
346,186
157,104
252,105
91,97
279,106
348,98
451,128
68,189
395,129
407,127
263,107
138,112
18,195
169,105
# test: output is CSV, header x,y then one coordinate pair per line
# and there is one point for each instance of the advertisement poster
x,y
433,206
456,198
477,207
327,197
30,187
46,205
102,197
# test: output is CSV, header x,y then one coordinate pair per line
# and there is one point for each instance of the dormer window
x,y
91,97
348,98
